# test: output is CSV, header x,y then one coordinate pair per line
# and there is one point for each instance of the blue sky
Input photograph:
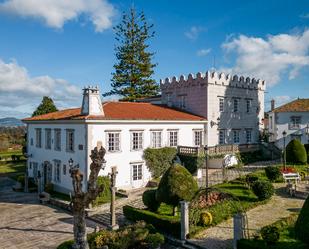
x,y
55,48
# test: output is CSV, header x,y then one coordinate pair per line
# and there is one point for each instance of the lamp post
x,y
206,164
284,152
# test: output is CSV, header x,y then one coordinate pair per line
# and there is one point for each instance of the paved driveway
x,y
25,224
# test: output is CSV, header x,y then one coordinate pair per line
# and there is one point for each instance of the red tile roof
x,y
122,111
298,105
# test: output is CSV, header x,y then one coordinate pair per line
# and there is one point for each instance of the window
x,y
48,139
221,105
156,139
64,168
236,136
173,138
248,136
113,141
70,140
136,140
57,139
35,170
221,136
182,101
235,105
169,99
137,173
198,138
248,105
38,137
57,171
295,122
31,141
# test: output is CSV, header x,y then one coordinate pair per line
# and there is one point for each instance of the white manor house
x,y
203,110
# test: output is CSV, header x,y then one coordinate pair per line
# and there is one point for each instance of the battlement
x,y
213,78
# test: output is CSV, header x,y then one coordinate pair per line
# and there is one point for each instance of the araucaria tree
x,y
132,78
47,105
81,200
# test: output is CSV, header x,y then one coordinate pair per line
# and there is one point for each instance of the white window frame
x,y
172,138
38,137
156,139
48,138
57,171
137,140
236,136
222,136
57,139
248,105
113,141
248,136
138,169
221,104
295,122
70,140
235,105
197,138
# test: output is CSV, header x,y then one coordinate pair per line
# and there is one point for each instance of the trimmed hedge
x,y
272,173
263,189
296,152
260,244
192,163
302,223
149,200
307,150
159,160
167,224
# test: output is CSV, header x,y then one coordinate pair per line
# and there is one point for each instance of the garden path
x,y
221,236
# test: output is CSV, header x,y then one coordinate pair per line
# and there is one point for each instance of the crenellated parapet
x,y
212,78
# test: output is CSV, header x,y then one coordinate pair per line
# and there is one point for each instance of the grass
x,y
12,169
9,153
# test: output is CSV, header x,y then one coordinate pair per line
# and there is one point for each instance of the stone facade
x,y
233,105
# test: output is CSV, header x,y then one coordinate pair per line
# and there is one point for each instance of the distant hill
x,y
10,122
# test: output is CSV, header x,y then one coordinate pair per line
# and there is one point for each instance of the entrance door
x,y
137,175
47,176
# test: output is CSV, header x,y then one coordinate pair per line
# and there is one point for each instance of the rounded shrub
x,y
296,152
154,240
176,184
150,201
263,189
302,223
250,179
272,173
206,218
270,234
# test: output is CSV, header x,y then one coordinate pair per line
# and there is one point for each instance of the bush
x,y
167,224
251,157
192,163
250,179
21,180
149,200
159,160
49,188
296,152
272,173
263,189
302,223
307,150
176,184
154,240
206,218
270,234
105,195
66,245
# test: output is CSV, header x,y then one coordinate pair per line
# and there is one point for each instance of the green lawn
x,y
12,169
11,152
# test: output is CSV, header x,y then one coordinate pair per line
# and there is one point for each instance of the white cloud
x,y
55,13
21,92
194,32
269,58
203,52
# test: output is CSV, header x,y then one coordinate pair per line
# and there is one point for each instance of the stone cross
x,y
113,224
184,219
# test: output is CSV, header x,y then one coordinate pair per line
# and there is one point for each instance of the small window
x,y
295,122
48,139
221,104
136,140
236,105
248,105
31,141
221,136
198,138
57,139
38,137
113,141
70,140
248,136
169,99
182,101
57,171
236,136
173,138
156,139
64,168
137,173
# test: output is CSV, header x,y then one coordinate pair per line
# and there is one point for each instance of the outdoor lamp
x,y
284,133
71,163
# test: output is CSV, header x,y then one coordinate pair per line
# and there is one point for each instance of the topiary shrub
x,y
272,173
205,218
270,234
159,160
296,152
302,223
250,179
176,184
263,189
150,201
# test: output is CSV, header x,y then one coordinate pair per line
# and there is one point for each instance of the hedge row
x,y
163,223
260,244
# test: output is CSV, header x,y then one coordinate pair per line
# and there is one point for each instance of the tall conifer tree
x,y
47,105
132,78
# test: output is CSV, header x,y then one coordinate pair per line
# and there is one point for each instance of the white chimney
x,y
272,104
92,104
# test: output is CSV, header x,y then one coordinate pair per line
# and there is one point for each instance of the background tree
x,y
176,184
132,78
47,105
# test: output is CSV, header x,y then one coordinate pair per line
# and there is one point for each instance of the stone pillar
x,y
239,228
113,224
184,219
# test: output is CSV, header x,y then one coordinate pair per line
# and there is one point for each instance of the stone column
x,y
184,219
113,224
239,228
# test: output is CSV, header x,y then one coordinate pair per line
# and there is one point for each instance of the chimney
x,y
92,104
272,104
